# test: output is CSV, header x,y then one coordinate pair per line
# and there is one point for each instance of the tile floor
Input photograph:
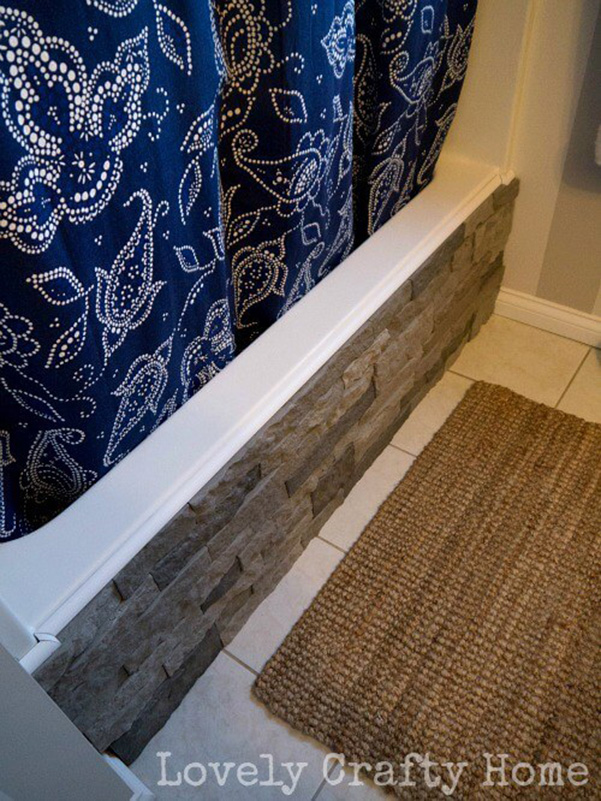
x,y
219,720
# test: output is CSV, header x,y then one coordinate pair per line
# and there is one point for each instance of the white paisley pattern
x,y
174,176
73,127
125,294
340,40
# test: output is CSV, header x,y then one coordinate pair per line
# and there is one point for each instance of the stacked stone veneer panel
x,y
129,657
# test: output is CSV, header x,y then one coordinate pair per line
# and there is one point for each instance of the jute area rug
x,y
465,621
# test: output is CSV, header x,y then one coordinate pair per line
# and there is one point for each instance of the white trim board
x,y
139,790
49,576
549,316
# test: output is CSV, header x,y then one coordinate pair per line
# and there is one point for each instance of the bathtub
x,y
48,577
68,561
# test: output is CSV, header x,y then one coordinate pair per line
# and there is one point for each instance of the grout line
x,y
323,782
526,325
240,662
319,789
562,394
403,450
544,330
571,381
462,375
469,377
327,542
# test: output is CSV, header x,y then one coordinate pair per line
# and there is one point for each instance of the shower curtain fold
x,y
174,176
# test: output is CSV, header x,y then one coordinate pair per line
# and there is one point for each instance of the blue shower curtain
x,y
174,176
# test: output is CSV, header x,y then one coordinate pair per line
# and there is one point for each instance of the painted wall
x,y
571,272
553,249
482,130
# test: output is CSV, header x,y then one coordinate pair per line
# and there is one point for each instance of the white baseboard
x,y
549,316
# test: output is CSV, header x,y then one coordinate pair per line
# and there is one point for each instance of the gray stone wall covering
x,y
126,661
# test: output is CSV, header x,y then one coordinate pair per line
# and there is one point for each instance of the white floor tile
x,y
532,362
431,413
349,520
273,619
220,721
584,395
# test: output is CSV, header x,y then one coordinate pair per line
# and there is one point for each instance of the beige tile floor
x,y
219,720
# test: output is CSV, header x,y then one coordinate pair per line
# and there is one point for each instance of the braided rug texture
x,y
467,617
